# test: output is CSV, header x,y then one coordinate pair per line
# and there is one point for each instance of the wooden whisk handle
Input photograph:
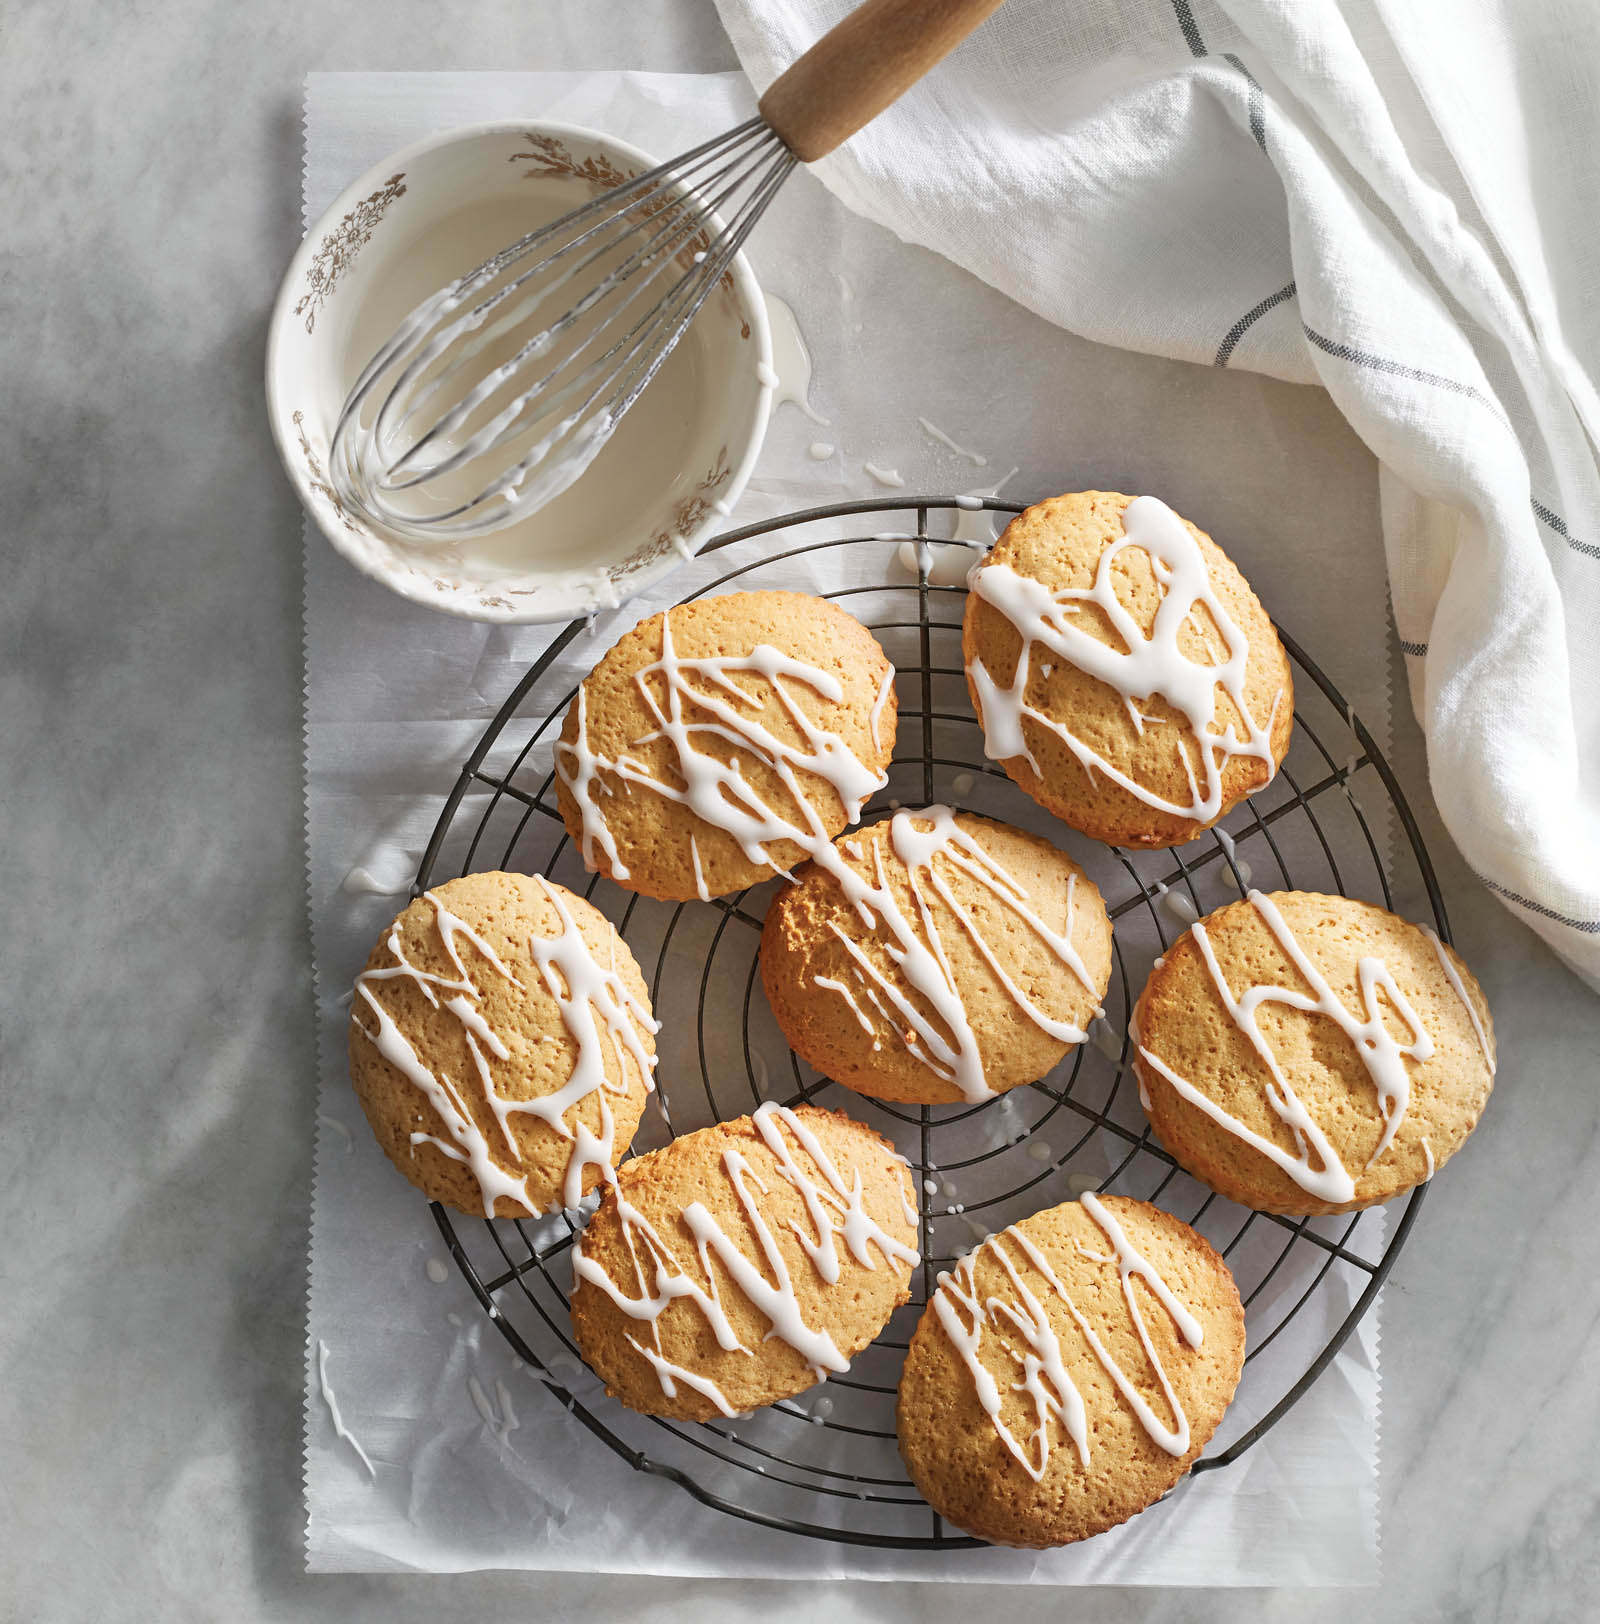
x,y
858,67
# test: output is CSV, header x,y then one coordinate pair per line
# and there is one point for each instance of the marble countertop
x,y
155,1050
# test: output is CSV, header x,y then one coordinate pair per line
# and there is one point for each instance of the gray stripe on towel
x,y
1559,525
1226,348
1191,29
1590,927
1258,101
1398,369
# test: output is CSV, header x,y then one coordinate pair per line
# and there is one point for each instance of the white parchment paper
x,y
472,1464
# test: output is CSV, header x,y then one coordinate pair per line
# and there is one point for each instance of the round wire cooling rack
x,y
826,1465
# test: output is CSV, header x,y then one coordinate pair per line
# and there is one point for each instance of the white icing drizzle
x,y
1040,1361
1461,992
580,986
340,1430
1315,1166
1043,1375
718,792
819,451
944,1042
884,690
843,990
1427,1151
836,1209
701,889
884,476
1146,666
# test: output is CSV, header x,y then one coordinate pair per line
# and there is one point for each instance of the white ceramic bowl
x,y
674,466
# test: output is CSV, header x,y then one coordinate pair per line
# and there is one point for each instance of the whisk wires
x,y
496,393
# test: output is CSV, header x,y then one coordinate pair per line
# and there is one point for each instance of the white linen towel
x,y
1395,199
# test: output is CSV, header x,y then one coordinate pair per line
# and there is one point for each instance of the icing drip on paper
x,y
1023,1330
974,524
1145,667
976,458
1315,1165
945,563
836,1209
580,986
920,973
335,1126
340,1430
498,1416
715,707
790,374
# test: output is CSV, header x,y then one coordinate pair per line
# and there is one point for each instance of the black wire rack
x,y
826,1465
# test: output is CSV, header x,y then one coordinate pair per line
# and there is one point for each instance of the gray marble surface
x,y
155,1040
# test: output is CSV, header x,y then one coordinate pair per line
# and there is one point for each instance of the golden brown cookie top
x,y
723,741
501,1044
1069,1371
1123,671
936,957
1311,1054
744,1262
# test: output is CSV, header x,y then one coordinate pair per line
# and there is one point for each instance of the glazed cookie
x,y
1069,1371
936,957
1311,1054
1124,673
743,1263
501,1044
724,741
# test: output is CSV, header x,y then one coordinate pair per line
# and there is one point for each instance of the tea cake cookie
x,y
502,1045
936,957
1310,1054
743,1263
723,741
1123,672
1068,1372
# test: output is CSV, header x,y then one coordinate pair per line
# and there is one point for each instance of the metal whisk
x,y
497,392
